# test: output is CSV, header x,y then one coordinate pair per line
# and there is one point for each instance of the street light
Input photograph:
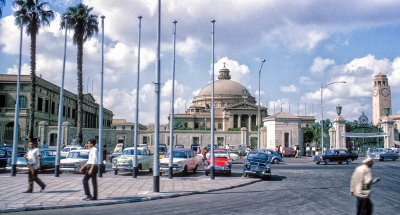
x,y
100,161
322,110
212,176
60,111
171,130
259,116
135,140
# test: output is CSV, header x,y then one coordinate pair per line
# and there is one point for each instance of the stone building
x,y
235,108
47,106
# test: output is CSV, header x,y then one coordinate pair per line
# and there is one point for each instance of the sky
x,y
305,43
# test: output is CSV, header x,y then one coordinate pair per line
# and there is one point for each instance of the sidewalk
x,y
66,191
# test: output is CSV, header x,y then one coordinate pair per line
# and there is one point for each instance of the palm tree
x,y
32,14
85,25
2,3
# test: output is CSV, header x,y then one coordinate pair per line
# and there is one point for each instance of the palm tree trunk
x,y
80,94
33,87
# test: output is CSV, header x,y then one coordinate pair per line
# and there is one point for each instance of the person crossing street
x,y
33,161
90,169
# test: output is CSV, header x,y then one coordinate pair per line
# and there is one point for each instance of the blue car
x,y
273,156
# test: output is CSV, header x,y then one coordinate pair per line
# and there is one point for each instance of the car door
x,y
147,158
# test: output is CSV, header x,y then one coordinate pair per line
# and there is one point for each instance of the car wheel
x,y
340,162
327,162
115,172
207,173
185,171
349,161
195,169
276,161
318,162
381,158
229,173
394,159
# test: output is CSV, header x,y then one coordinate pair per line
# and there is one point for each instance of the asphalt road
x,y
297,187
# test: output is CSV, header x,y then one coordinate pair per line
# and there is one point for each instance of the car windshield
x,y
219,155
66,149
178,154
131,152
78,155
260,156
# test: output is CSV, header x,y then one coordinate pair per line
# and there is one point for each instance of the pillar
x,y
263,137
243,136
65,132
42,131
332,135
388,127
239,121
250,122
339,124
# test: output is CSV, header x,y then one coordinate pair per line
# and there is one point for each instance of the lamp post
x,y
100,161
16,117
259,103
171,130
60,111
322,110
156,161
135,165
212,176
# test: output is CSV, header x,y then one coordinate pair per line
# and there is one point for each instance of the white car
x,y
74,160
125,161
184,160
64,152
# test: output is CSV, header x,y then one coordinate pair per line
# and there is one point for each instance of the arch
x,y
9,131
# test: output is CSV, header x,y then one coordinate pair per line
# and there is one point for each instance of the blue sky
x,y
305,43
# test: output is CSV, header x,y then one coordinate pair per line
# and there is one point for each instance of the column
x,y
64,133
239,120
388,127
249,122
339,124
42,131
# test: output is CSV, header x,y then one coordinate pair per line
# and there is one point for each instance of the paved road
x,y
297,187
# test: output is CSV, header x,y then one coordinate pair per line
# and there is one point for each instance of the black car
x,y
257,164
335,155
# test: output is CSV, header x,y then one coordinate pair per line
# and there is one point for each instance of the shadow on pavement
x,y
63,191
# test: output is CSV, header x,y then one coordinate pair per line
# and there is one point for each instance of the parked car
x,y
384,153
117,151
64,152
125,161
9,149
222,163
256,164
74,160
184,160
289,151
335,155
47,160
234,155
3,158
273,156
162,148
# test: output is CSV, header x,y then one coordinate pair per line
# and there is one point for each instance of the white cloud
x,y
289,89
306,80
320,64
239,72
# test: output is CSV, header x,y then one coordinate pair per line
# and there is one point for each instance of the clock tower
x,y
381,97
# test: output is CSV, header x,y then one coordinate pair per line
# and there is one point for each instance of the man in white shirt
x,y
360,186
33,161
90,169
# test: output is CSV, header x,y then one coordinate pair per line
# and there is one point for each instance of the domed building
x,y
235,108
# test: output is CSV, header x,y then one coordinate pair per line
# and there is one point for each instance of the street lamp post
x,y
135,165
322,111
212,176
171,130
258,113
156,162
100,161
57,165
16,117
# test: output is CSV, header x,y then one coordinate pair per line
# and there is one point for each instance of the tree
x,y
2,3
85,25
32,14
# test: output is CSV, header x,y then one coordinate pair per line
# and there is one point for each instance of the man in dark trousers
x,y
90,169
33,161
360,186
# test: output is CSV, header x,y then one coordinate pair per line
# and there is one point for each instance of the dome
x,y
224,86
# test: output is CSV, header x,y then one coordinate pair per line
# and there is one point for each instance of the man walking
x,y
33,161
90,169
360,186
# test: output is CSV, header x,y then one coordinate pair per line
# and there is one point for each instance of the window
x,y
197,110
73,113
2,100
40,104
219,125
22,103
69,112
196,125
132,128
63,111
53,108
123,127
220,141
46,106
191,110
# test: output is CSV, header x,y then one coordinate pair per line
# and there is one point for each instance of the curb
x,y
126,201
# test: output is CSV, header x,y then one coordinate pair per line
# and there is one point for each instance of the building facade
x,y
47,107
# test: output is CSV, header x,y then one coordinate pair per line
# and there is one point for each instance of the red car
x,y
289,151
222,162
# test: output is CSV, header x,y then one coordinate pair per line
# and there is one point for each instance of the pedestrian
x,y
308,151
104,152
360,186
205,153
247,150
281,150
4,143
227,147
297,151
63,146
313,150
33,161
90,169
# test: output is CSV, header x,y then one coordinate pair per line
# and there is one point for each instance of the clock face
x,y
385,92
375,92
